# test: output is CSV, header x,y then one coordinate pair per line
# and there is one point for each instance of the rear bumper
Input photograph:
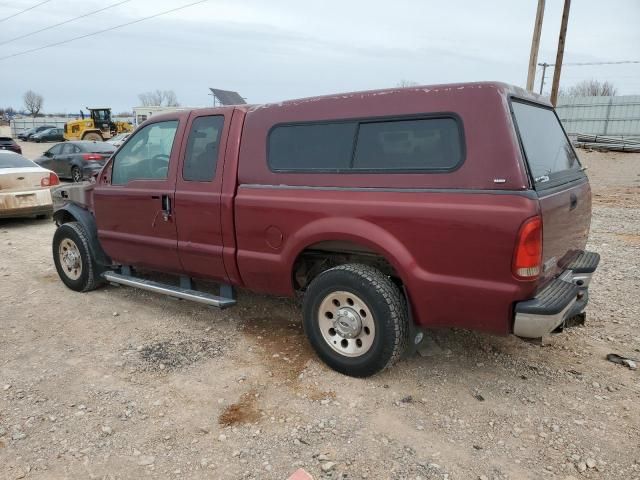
x,y
24,204
91,169
563,298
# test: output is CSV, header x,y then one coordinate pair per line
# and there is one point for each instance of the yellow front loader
x,y
98,127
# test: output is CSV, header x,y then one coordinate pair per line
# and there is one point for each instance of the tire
x,y
92,137
76,174
373,328
80,272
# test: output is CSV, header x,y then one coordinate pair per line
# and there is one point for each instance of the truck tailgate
x,y
566,217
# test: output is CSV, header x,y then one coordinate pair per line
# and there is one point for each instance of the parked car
x,y
8,143
389,211
49,135
24,187
26,135
76,160
118,139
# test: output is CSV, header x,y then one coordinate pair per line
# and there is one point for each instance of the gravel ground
x,y
119,383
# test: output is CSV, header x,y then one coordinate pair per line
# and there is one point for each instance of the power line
x,y
580,64
63,23
25,10
103,30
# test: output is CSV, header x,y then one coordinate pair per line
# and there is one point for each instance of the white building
x,y
140,114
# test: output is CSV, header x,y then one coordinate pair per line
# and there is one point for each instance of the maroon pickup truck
x,y
390,211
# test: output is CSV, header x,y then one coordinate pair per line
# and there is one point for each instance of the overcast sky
x,y
281,49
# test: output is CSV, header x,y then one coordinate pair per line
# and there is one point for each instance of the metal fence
x,y
613,116
19,125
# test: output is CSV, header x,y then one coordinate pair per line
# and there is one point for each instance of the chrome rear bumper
x,y
563,298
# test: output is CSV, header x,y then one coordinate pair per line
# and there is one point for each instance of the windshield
x,y
546,147
13,160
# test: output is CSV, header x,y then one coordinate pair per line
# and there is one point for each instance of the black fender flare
x,y
71,212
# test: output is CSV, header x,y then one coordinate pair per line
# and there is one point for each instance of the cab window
x,y
202,149
146,155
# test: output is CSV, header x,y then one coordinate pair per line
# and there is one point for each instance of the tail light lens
x,y
92,157
50,181
527,257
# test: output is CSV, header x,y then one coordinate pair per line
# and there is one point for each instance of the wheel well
x,y
322,256
63,216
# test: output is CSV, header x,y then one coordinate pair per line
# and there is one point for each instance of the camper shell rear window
x,y
548,152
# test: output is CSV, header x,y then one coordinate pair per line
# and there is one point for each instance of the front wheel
x,y
73,259
92,137
356,319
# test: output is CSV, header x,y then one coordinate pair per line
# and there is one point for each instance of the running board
x,y
170,290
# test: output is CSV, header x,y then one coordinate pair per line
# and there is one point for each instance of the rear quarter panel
x,y
453,251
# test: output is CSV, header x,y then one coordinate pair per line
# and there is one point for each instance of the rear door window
x,y
547,149
68,148
201,156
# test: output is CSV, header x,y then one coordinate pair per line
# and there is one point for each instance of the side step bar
x,y
170,290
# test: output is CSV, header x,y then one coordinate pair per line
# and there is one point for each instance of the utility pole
x,y
544,71
535,44
560,55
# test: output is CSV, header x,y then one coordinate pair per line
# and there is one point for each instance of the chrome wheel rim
x,y
70,259
76,175
346,324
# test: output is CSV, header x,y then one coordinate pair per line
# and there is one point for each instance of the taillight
x,y
527,257
92,157
50,181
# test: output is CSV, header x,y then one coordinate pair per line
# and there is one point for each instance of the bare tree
x,y
590,88
407,83
159,98
170,98
33,102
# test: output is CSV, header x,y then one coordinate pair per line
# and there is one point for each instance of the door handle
x,y
166,207
573,201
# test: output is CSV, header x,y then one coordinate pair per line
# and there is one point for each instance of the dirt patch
x,y
283,343
315,394
50,277
242,412
626,197
172,355
630,238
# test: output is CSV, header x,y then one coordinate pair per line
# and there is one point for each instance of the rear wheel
x,y
73,259
356,319
92,137
76,174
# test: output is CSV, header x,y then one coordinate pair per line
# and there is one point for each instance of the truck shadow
x,y
14,223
